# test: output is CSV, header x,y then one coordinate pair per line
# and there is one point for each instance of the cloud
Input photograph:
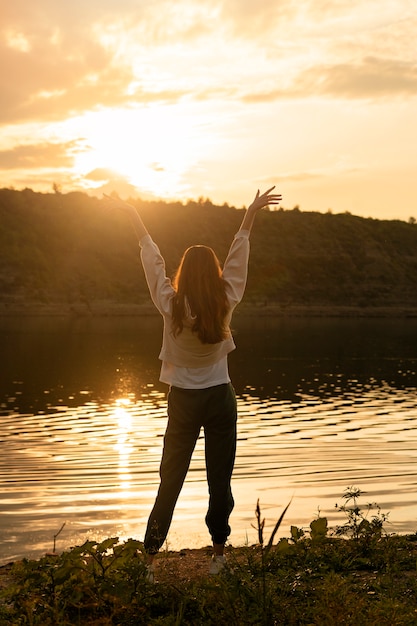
x,y
101,174
39,155
167,23
65,60
257,20
157,167
298,177
372,79
47,90
291,177
54,79
58,64
114,182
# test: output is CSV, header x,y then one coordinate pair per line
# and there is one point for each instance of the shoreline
x,y
191,565
308,580
105,309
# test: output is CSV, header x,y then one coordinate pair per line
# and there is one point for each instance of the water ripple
x,y
96,464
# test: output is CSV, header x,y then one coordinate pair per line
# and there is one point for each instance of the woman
x,y
197,308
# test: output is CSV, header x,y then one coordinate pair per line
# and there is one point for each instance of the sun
x,y
151,147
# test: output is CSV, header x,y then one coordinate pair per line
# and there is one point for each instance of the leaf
x,y
107,544
296,533
319,528
277,525
283,546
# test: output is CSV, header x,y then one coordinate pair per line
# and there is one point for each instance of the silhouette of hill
x,y
71,252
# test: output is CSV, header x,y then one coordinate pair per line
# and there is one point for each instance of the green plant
x,y
91,579
318,529
260,527
357,524
310,578
264,551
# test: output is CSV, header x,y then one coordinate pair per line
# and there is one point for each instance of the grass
x,y
355,574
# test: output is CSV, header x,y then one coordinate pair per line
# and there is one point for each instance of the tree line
x,y
72,248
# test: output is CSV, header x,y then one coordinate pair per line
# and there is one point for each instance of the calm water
x,y
323,405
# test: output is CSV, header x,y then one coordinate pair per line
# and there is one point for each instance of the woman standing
x,y
197,307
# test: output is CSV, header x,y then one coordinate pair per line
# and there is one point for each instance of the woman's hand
x,y
261,201
121,205
136,219
265,199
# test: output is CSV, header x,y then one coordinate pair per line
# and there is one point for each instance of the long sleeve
x,y
184,354
159,285
235,269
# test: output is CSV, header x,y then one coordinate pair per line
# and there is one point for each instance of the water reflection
x,y
322,405
123,446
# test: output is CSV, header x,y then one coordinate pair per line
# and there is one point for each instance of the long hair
x,y
198,282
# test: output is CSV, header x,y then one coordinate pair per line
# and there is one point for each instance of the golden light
x,y
151,147
123,447
17,41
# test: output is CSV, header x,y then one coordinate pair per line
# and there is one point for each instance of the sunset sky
x,y
187,98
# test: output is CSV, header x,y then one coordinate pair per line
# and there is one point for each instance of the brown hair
x,y
199,282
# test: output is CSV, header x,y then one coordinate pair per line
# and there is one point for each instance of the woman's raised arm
x,y
136,219
260,201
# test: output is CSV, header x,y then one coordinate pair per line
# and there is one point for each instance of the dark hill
x,y
71,251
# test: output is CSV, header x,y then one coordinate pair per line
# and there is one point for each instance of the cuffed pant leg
x,y
179,441
220,449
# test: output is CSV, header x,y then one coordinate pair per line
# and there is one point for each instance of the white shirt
x,y
186,361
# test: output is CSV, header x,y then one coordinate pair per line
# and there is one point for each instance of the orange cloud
x,y
39,155
66,61
53,81
372,78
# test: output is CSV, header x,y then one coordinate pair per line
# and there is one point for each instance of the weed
x,y
360,575
357,524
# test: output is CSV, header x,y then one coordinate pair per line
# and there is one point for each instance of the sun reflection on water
x,y
123,418
95,466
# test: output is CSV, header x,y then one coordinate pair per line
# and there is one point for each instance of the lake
x,y
324,404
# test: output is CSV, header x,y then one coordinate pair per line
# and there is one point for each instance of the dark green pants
x,y
189,410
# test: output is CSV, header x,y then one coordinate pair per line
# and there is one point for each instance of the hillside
x,y
70,252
